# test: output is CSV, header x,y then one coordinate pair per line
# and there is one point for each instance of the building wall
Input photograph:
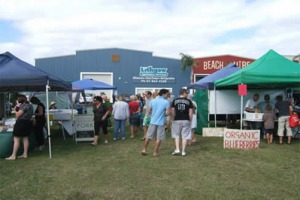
x,y
128,68
63,67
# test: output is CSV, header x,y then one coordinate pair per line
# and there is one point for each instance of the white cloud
x,y
166,28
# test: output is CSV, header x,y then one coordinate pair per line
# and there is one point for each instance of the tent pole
x,y
241,121
208,100
215,106
48,120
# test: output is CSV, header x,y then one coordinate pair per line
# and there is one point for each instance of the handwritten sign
x,y
84,128
241,139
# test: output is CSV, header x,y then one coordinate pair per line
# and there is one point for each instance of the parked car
x,y
88,96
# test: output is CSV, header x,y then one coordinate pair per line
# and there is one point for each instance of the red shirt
x,y
133,107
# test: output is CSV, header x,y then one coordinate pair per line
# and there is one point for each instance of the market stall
x,y
270,71
19,76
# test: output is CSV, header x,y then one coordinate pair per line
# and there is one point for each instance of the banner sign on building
x,y
151,74
241,139
209,65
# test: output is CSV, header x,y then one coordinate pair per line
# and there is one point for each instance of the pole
x,y
215,106
241,121
48,120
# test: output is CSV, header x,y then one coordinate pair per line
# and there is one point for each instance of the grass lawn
x,y
117,170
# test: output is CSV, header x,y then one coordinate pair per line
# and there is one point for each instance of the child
x,y
268,119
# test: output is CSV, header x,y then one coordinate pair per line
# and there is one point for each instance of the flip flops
x,y
10,158
22,156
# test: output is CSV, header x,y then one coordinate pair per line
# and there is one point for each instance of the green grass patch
x,y
117,170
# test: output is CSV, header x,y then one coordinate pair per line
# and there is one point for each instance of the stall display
x,y
65,117
28,78
253,116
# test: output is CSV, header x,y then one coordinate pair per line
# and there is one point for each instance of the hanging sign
x,y
242,88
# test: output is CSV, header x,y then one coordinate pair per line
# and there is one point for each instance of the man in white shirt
x,y
251,104
250,107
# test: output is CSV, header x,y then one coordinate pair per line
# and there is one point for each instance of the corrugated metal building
x,y
130,71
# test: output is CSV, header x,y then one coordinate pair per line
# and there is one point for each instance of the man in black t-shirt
x,y
182,113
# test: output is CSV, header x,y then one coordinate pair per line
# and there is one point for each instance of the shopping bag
x,y
294,120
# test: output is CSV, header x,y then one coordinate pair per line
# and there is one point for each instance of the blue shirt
x,y
158,107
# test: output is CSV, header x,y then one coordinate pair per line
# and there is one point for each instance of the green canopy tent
x,y
271,71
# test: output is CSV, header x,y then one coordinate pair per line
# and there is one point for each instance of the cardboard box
x,y
212,132
253,115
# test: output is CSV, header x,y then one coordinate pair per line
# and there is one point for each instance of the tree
x,y
297,58
187,61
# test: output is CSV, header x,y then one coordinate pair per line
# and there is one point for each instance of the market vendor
x,y
251,107
267,101
251,104
52,105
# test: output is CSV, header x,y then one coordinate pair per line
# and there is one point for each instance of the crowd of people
x,y
279,111
152,113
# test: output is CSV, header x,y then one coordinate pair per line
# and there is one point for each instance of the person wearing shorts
x,y
147,117
182,115
283,108
159,108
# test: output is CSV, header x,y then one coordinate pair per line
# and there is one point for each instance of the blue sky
x,y
8,32
33,29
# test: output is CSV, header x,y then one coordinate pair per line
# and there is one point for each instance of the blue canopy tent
x,y
90,84
207,83
16,75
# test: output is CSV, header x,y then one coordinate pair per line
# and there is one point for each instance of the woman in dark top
x,y
101,113
39,123
23,127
